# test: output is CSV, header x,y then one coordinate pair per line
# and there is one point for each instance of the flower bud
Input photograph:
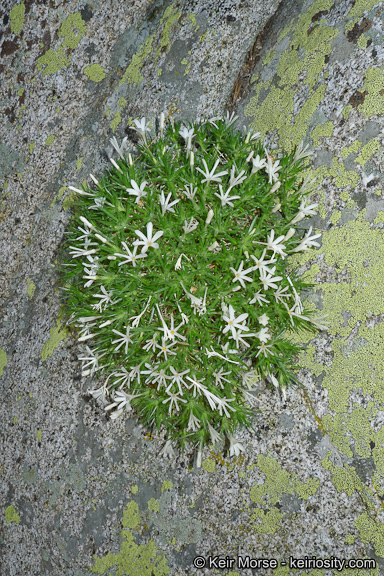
x,y
289,234
192,159
210,216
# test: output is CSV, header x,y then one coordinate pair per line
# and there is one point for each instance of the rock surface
x,y
80,494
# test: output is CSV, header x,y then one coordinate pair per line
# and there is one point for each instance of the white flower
x,y
124,378
132,256
190,192
212,352
307,242
234,181
274,380
253,137
136,319
263,319
91,360
213,246
151,343
119,148
215,436
263,335
258,163
173,398
235,447
190,226
301,152
279,294
250,378
210,176
272,169
141,127
147,241
264,349
99,393
81,252
275,245
223,405
165,348
197,385
239,338
225,198
230,119
105,298
261,264
178,262
165,204
304,211
193,422
268,281
177,378
173,332
137,190
234,323
219,377
168,450
187,135
241,274
123,400
259,298
125,339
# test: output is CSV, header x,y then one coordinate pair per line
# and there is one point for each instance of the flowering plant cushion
x,y
177,278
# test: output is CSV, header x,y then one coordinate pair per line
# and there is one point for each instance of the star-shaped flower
x,y
241,274
148,241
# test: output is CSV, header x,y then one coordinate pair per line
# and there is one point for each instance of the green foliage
x,y
179,279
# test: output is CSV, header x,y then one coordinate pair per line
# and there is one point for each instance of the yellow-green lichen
x,y
11,515
209,465
352,149
350,538
275,112
335,217
322,131
371,532
358,9
279,482
153,505
132,74
368,151
167,485
57,334
116,121
133,559
285,31
362,42
170,16
54,61
270,520
134,489
31,147
79,162
374,101
268,58
342,176
39,435
94,72
31,288
50,140
122,103
17,18
72,30
3,360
